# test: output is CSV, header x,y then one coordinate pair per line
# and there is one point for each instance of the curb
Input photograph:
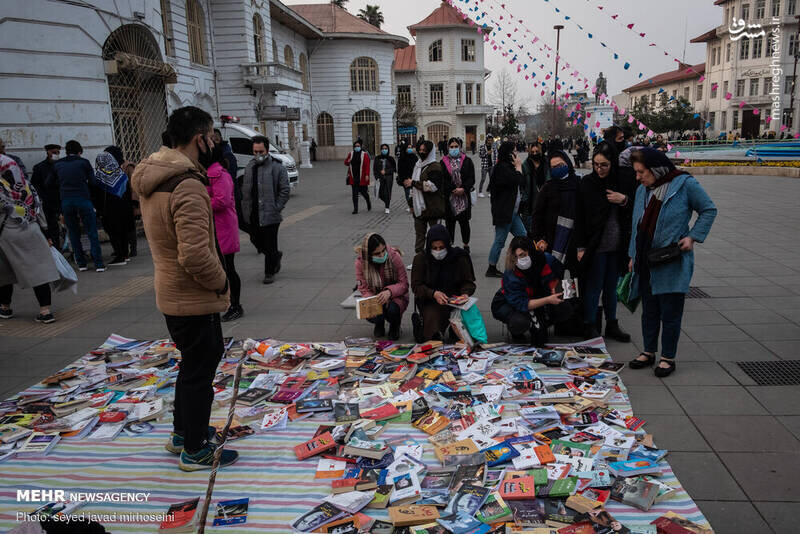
x,y
739,170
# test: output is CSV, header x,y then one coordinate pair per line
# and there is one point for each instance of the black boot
x,y
379,330
492,272
599,321
394,331
590,332
615,332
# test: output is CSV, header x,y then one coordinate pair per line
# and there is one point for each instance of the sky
x,y
670,25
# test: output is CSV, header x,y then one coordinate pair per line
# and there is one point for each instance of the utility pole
x,y
557,28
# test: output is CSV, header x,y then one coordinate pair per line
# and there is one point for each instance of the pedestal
x,y
305,155
601,113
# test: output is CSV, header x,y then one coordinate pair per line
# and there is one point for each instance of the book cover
x,y
344,412
500,454
464,446
314,446
494,509
320,515
406,488
635,492
368,307
381,497
405,516
232,512
314,405
517,488
181,517
634,467
467,500
562,487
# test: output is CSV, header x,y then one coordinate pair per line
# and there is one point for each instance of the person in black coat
x,y
602,234
384,167
46,184
459,181
405,168
504,186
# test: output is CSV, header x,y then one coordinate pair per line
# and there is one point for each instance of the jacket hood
x,y
215,170
563,155
162,166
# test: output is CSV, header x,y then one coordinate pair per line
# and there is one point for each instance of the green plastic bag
x,y
473,322
624,293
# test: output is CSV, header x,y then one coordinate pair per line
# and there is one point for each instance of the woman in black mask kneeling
x,y
527,295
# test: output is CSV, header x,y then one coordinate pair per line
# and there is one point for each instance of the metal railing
x,y
266,73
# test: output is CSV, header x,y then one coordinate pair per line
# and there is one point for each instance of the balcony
x,y
272,77
474,109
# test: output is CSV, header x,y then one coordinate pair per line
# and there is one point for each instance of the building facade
x,y
442,78
683,82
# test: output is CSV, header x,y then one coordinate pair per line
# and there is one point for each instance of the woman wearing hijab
x,y
380,271
384,168
536,174
459,180
25,257
602,234
665,201
555,210
504,186
405,169
440,271
427,192
527,290
357,163
111,196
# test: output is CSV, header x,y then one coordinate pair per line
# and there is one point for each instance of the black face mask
x,y
536,156
620,145
205,158
422,155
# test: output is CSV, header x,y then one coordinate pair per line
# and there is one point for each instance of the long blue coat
x,y
684,196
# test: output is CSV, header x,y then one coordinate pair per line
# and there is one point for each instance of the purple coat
x,y
220,189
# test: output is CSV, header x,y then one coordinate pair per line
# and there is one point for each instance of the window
x,y
791,7
758,45
303,62
653,99
744,48
713,56
166,28
468,100
699,92
241,145
735,119
438,131
437,95
745,11
776,8
478,94
325,130
435,51
727,52
458,94
712,118
467,49
258,38
760,4
725,88
674,93
288,56
686,92
714,90
404,95
739,87
723,119
792,45
364,75
787,84
196,30
754,86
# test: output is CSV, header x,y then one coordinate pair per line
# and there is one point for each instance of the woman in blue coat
x,y
665,200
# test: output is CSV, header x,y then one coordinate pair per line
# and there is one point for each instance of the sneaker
x,y
127,260
269,278
101,269
117,261
481,195
82,268
492,272
386,211
6,313
175,443
409,266
204,458
45,318
232,314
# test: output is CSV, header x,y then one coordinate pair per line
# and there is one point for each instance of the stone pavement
x,y
734,445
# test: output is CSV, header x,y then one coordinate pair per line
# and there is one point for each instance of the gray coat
x,y
25,257
273,192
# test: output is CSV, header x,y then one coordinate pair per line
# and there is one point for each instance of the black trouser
x,y
521,323
265,239
199,338
234,282
42,293
132,242
114,225
53,232
360,190
463,221
391,313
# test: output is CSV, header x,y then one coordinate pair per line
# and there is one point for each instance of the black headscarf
x,y
441,275
607,150
117,153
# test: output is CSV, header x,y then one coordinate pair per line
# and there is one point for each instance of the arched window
x,y
304,70
274,51
438,131
435,51
196,28
288,56
363,75
325,130
258,38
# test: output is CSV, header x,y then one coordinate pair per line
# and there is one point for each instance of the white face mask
x,y
439,254
524,263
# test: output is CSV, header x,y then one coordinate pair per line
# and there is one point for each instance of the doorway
x,y
471,139
366,125
750,124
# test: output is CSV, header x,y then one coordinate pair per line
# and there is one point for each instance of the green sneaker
x,y
175,443
204,458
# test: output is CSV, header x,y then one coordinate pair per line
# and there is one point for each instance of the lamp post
x,y
557,28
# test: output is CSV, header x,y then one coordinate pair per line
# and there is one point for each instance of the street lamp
x,y
557,28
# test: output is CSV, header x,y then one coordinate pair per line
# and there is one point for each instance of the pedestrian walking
x,y
74,175
312,149
358,165
535,173
111,196
427,192
405,169
384,168
45,182
459,182
661,251
190,282
380,272
265,192
504,186
488,157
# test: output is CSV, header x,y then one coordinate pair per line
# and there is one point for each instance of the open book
x,y
368,307
461,302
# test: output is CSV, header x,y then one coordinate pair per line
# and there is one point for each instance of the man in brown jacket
x,y
190,283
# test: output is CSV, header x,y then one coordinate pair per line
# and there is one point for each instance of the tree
x,y
406,114
504,91
339,3
371,14
510,126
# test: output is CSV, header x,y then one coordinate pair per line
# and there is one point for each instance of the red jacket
x,y
365,167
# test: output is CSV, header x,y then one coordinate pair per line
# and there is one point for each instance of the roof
x,y
443,16
710,34
282,14
335,21
664,78
405,59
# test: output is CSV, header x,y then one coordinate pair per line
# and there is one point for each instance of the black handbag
x,y
663,255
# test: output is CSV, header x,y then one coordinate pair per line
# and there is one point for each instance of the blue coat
x,y
684,195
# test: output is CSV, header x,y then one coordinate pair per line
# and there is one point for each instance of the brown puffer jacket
x,y
179,224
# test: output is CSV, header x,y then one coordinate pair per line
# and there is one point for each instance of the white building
x,y
443,76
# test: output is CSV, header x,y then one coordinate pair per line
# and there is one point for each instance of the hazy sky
x,y
668,24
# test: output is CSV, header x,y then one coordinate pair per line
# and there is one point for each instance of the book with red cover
x,y
664,525
414,383
517,488
314,446
387,411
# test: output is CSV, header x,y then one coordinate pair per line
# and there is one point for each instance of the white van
x,y
240,138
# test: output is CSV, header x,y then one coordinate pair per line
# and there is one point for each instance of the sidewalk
x,y
734,445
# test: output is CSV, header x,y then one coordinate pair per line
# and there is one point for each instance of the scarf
x,y
417,199
565,223
372,271
109,176
18,201
457,202
647,226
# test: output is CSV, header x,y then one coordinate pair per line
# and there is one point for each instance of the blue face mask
x,y
381,259
454,152
559,172
357,149
384,151
410,150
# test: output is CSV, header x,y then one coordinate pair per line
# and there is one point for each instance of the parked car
x,y
241,141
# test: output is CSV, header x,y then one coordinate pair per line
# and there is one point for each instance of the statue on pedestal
x,y
601,88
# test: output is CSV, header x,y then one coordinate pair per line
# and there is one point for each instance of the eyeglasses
x,y
601,165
